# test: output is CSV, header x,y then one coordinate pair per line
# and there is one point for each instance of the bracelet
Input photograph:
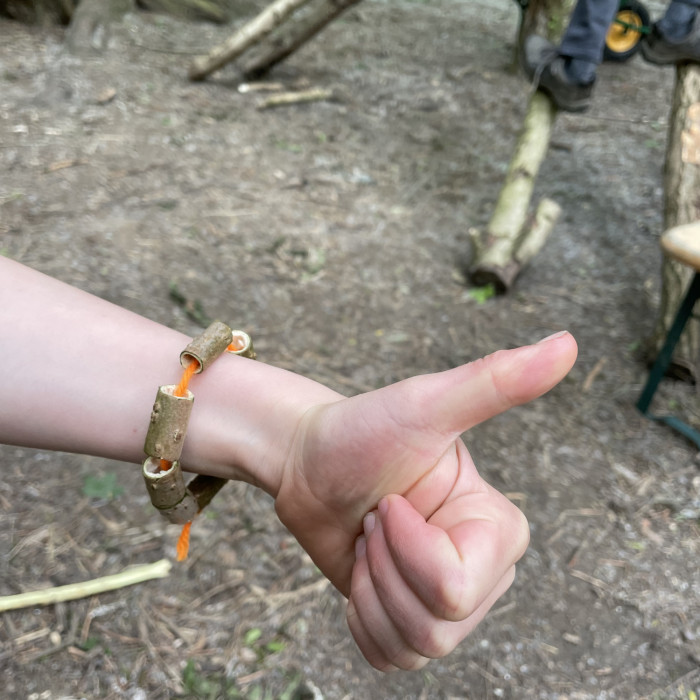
x,y
165,483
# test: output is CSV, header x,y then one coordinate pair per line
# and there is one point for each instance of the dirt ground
x,y
336,233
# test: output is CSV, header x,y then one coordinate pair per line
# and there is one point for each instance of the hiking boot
x,y
657,49
547,71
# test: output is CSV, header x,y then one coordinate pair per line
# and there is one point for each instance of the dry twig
x,y
73,591
588,382
284,99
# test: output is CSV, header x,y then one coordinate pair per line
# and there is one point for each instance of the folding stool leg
x,y
663,360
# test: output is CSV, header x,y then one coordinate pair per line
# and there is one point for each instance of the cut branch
x,y
284,99
546,215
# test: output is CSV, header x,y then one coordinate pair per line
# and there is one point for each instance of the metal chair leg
x,y
663,360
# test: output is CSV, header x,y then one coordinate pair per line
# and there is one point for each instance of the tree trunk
x,y
42,12
88,31
548,18
502,250
681,206
283,46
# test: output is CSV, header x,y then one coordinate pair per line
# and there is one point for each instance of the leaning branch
x,y
281,47
252,32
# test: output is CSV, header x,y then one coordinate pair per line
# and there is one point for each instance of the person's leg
x,y
584,39
567,72
677,21
676,36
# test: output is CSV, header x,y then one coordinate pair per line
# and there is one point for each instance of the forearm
x,y
80,375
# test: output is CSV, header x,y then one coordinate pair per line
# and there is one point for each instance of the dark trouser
x,y
585,36
591,19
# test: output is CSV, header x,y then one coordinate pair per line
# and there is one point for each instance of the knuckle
x,y
455,599
523,533
435,642
409,660
406,654
518,535
417,664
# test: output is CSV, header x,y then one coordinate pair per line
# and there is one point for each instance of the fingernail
x,y
383,507
552,337
360,547
368,523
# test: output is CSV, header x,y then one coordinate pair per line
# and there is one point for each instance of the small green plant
x,y
252,638
274,646
482,294
287,146
102,486
89,644
206,687
315,262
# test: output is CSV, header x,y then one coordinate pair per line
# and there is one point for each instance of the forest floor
x,y
336,233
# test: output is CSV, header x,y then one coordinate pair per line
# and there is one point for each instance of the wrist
x,y
245,418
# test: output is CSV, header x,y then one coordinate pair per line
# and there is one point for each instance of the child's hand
x,y
379,489
382,493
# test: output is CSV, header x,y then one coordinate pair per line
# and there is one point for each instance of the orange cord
x,y
183,542
181,388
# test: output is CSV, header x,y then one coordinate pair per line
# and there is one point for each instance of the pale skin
x,y
379,488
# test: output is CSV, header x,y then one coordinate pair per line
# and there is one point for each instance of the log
x,y
507,231
681,206
509,241
283,46
255,30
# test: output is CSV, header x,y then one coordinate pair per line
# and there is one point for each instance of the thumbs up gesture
x,y
382,493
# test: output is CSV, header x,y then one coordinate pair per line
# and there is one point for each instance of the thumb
x,y
458,399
